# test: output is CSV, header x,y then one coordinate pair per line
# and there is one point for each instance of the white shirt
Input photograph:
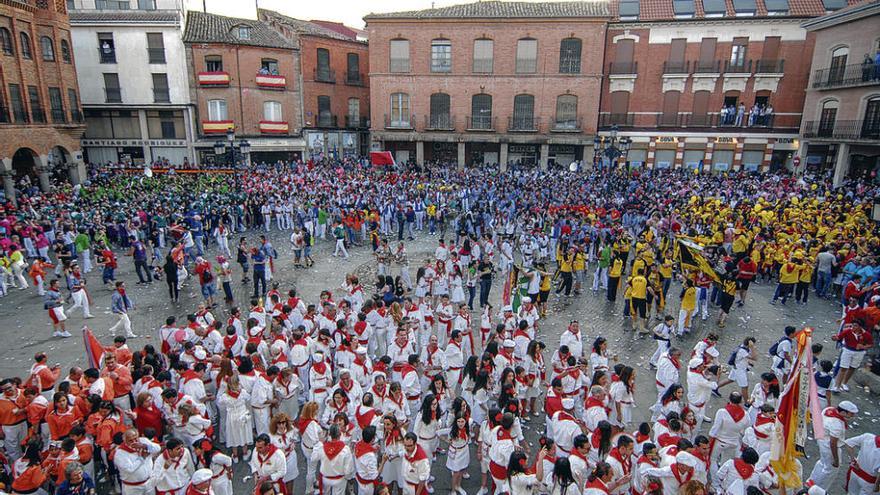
x,y
132,467
869,453
342,465
272,466
726,430
176,475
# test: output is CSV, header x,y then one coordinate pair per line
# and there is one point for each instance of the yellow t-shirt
x,y
580,261
616,269
788,273
806,272
565,264
546,282
666,268
689,299
638,264
639,287
740,244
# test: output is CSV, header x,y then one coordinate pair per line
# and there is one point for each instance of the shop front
x,y
694,156
477,154
262,150
560,156
441,152
752,157
134,152
402,151
638,156
332,144
524,155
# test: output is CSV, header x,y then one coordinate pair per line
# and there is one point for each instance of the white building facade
x,y
131,65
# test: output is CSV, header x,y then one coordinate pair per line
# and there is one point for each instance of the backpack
x,y
773,351
731,361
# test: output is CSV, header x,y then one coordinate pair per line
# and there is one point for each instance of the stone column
x,y
73,172
8,179
801,152
461,155
145,137
43,170
420,153
502,157
545,150
841,164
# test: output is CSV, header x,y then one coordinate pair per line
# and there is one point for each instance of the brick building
x,y
841,127
710,84
244,76
335,86
40,116
488,82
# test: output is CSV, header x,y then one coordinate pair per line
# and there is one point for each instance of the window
x,y
323,70
776,7
523,113
161,94
481,112
832,5
165,124
399,54
37,112
244,32
217,110
707,62
738,53
269,66
675,63
619,107
683,9
156,48
73,102
71,5
65,51
440,112
16,101
629,10
272,111
744,8
871,124
838,65
112,4
6,42
112,92
669,117
325,116
826,118
106,48
570,56
214,63
400,116
700,115
714,8
25,45
353,68
566,112
146,4
624,52
354,112
56,106
441,56
483,56
47,48
526,56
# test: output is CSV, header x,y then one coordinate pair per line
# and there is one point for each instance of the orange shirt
x,y
62,465
86,450
32,478
122,382
108,427
36,410
60,423
91,424
47,376
7,417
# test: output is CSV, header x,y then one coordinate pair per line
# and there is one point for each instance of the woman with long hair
x,y
195,426
147,415
219,463
519,480
563,482
458,458
428,423
599,355
456,286
481,396
393,451
622,394
27,472
672,400
600,442
310,434
535,376
601,481
484,440
764,392
468,379
239,435
281,434
61,417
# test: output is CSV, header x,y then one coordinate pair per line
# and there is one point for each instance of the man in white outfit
x,y
863,477
834,419
727,431
134,461
268,463
336,463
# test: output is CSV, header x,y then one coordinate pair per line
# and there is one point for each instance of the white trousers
x,y
123,322
824,472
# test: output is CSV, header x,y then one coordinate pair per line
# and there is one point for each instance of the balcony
x,y
566,125
326,120
439,122
523,124
769,66
671,120
214,78
846,130
107,55
481,123
682,67
217,126
846,76
273,127
271,81
738,67
401,122
623,68
355,79
707,67
353,121
618,119
325,76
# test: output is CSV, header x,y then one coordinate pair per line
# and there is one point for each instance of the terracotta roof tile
x,y
494,9
212,28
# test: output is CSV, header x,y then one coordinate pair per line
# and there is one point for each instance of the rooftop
x,y
301,27
663,10
212,28
495,9
124,17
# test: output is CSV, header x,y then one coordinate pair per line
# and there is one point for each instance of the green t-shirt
x,y
322,217
82,242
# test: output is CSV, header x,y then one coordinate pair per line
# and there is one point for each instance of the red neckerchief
x,y
417,455
598,484
675,362
592,402
744,469
232,394
595,439
647,460
320,367
124,446
407,369
736,412
188,376
832,412
503,434
229,341
264,459
360,327
678,475
667,439
563,416
303,424
763,420
333,448
577,453
393,436
175,462
364,420
641,438
343,407
363,448
382,393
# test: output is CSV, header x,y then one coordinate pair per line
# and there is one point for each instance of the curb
x,y
866,379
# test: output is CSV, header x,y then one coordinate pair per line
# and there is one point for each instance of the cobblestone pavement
x,y
27,330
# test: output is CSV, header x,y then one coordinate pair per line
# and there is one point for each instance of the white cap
x,y
200,353
509,343
686,459
507,308
201,476
848,407
344,371
568,403
526,299
695,362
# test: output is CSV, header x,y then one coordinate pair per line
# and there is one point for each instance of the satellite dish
x,y
148,171
573,167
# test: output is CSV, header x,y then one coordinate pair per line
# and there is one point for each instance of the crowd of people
x,y
379,387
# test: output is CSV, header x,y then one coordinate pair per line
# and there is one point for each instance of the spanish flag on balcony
x,y
798,406
690,256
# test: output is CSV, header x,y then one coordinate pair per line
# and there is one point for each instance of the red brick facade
x,y
31,131
343,84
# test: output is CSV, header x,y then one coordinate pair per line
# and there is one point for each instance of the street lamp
x,y
228,147
612,147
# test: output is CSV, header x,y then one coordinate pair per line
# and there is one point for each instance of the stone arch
x,y
60,163
25,163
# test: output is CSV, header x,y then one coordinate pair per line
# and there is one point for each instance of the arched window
x,y
566,112
25,45
827,116
481,112
523,113
871,124
6,42
526,56
570,56
47,47
440,112
483,55
65,51
838,65
399,56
